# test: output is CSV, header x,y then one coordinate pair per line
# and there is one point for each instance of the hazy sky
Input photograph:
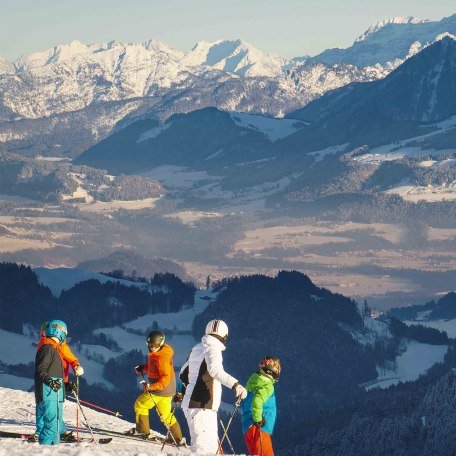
x,y
288,27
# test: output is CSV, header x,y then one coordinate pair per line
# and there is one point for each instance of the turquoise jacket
x,y
259,403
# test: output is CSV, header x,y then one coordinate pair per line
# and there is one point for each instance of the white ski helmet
x,y
217,328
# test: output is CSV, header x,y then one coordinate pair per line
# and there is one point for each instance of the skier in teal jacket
x,y
259,409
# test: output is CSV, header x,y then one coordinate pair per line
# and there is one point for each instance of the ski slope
x,y
413,362
17,412
59,279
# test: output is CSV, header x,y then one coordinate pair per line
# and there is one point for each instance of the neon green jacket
x,y
259,403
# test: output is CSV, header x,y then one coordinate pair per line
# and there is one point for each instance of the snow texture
x,y
271,127
17,410
59,279
414,361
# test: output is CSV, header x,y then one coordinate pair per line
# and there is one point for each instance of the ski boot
x,y
68,437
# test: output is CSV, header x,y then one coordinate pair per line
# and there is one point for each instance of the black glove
x,y
261,423
139,369
178,397
70,387
55,385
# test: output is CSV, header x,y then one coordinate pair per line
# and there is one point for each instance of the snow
x,y
321,154
59,279
17,409
180,321
16,348
413,362
79,193
449,326
115,205
178,176
153,132
430,193
234,56
190,217
20,383
271,127
381,24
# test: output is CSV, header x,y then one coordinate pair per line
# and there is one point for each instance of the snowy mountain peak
x,y
442,36
234,56
6,67
394,20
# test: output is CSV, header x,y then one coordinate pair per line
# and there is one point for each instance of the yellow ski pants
x,y
148,401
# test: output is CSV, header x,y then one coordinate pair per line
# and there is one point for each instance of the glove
x,y
55,385
178,397
139,369
239,391
78,370
70,387
261,423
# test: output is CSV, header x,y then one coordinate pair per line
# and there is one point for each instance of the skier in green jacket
x,y
259,409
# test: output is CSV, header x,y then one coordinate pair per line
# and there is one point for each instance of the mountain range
x,y
92,89
406,105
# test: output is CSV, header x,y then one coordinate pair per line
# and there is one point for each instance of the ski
x,y
23,436
14,435
157,440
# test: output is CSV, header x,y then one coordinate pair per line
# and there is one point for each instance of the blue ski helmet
x,y
56,328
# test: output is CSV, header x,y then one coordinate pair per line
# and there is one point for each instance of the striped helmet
x,y
217,328
270,366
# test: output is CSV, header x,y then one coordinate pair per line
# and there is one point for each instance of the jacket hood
x,y
166,350
211,341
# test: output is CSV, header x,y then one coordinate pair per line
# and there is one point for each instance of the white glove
x,y
240,392
78,370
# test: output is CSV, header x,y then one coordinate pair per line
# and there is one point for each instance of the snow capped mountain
x,y
388,41
235,57
394,20
6,67
420,90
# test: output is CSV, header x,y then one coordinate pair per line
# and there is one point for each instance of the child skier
x,y
259,409
49,383
68,359
160,389
203,375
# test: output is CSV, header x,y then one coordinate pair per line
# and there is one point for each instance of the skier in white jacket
x,y
203,375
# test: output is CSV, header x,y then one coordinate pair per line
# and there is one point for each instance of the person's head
x,y
270,367
57,330
155,341
217,329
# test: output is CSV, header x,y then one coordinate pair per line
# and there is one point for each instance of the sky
x,y
290,28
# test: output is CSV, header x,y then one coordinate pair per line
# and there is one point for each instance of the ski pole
x,y
84,416
227,438
173,411
58,416
77,411
225,433
99,408
168,428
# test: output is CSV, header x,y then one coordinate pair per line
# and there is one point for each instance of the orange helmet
x,y
270,366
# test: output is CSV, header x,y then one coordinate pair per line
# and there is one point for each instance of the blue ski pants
x,y
49,416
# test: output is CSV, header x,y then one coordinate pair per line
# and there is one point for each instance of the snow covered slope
x,y
415,360
59,279
390,40
234,56
17,410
